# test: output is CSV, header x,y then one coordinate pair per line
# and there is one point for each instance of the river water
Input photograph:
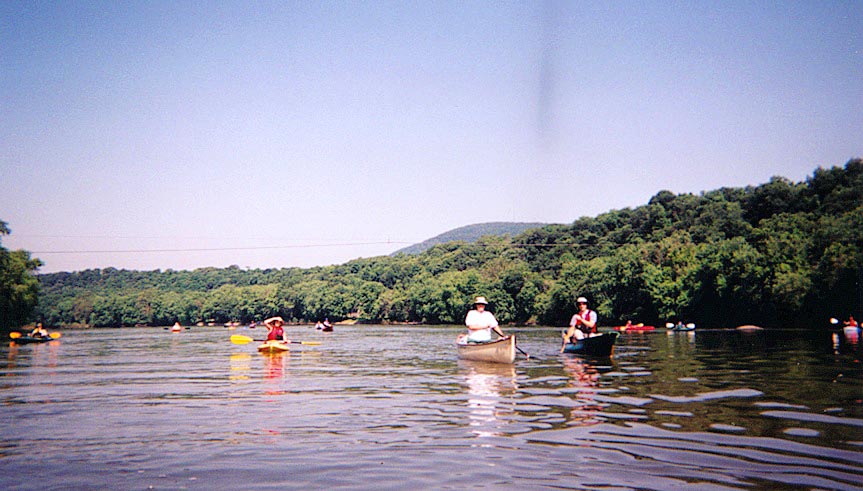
x,y
377,407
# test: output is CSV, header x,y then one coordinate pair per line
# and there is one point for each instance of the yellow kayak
x,y
273,347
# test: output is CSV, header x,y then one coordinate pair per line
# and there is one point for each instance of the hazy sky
x,y
165,134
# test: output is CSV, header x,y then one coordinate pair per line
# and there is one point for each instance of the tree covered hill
x,y
470,233
778,254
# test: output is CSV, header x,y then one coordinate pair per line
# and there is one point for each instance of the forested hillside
x,y
778,254
470,233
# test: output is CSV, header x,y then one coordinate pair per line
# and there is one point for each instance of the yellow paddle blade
x,y
56,335
240,339
14,335
308,343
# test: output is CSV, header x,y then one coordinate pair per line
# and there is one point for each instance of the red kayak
x,y
635,328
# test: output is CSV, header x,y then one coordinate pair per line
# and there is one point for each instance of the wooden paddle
x,y
240,339
53,335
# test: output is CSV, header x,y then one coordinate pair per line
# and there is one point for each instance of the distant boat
x,y
634,328
852,333
749,328
682,327
177,327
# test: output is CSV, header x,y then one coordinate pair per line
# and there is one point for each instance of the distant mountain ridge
x,y
471,233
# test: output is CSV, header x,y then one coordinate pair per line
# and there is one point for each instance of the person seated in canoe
x,y
326,323
275,329
582,324
38,331
851,322
319,325
480,323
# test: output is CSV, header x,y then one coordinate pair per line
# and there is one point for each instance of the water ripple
x,y
675,455
817,418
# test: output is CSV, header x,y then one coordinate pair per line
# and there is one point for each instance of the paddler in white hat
x,y
481,322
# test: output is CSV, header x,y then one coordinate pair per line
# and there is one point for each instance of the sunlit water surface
x,y
378,407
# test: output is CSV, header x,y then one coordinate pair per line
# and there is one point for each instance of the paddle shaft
x,y
240,339
313,343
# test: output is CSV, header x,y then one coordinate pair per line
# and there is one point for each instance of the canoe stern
x,y
500,351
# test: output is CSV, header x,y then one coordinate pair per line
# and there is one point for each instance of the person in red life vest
x,y
851,322
275,329
581,325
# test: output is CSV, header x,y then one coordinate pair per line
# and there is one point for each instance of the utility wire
x,y
295,246
204,249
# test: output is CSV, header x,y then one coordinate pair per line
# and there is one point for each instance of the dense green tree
x,y
19,288
771,255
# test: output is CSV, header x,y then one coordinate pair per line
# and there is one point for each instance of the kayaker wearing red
x,y
275,331
581,324
851,322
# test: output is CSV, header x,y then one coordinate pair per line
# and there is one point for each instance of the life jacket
x,y
582,327
275,333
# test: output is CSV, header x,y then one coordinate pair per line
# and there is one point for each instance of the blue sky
x,y
156,135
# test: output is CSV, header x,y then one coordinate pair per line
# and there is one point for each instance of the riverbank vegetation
x,y
19,287
778,254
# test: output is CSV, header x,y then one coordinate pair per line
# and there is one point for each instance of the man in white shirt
x,y
481,322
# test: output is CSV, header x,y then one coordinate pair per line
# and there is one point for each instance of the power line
x,y
294,246
179,237
208,249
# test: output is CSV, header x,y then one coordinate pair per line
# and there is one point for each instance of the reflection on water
x,y
392,407
487,385
241,364
583,377
275,365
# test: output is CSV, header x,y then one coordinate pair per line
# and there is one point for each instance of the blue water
x,y
376,407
